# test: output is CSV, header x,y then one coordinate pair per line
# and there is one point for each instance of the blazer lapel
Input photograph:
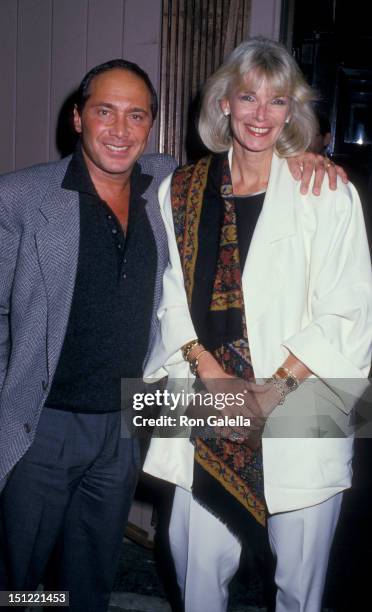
x,y
264,270
57,243
154,216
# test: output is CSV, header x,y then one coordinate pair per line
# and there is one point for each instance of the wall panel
x,y
105,22
69,57
265,18
46,47
142,43
33,82
8,71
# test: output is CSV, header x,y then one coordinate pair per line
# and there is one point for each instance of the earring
x,y
287,120
226,112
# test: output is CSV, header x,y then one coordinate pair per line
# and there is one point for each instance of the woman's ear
x,y
225,107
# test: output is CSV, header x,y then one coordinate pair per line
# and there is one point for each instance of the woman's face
x,y
257,115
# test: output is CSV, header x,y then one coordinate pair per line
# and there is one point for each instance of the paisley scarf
x,y
228,476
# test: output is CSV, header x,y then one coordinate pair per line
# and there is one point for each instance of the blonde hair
x,y
271,61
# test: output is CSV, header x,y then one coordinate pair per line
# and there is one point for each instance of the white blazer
x,y
307,287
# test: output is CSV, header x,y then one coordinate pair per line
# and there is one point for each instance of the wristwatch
x,y
288,379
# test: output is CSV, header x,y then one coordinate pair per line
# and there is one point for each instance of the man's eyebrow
x,y
107,104
138,109
133,109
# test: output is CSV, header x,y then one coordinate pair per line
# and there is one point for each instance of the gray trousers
x,y
67,501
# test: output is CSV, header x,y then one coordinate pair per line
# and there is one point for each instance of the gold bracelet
x,y
194,363
279,386
187,348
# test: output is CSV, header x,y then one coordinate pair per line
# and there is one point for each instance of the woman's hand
x,y
209,369
259,400
266,398
302,168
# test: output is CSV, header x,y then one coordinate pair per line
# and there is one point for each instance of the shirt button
x,y
114,231
109,216
124,276
119,246
125,260
27,427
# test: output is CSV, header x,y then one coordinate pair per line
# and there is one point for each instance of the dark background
x,y
332,42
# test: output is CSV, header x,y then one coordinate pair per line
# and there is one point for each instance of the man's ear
x,y
77,120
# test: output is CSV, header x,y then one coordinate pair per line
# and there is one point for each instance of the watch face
x,y
291,382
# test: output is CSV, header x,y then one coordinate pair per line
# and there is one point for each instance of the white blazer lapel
x,y
263,271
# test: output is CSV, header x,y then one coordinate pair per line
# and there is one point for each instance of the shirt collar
x,y
77,177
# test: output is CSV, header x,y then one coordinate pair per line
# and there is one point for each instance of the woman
x,y
278,286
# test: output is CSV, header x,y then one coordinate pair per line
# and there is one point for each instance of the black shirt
x,y
109,323
248,209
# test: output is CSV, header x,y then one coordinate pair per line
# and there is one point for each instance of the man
x,y
82,253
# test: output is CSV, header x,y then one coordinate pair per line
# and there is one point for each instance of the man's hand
x,y
302,168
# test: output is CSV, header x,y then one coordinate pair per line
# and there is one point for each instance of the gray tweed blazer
x,y
39,242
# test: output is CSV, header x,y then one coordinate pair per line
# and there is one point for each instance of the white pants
x,y
206,554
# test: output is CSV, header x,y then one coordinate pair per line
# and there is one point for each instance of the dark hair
x,y
83,91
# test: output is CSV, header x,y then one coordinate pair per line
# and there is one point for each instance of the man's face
x,y
115,123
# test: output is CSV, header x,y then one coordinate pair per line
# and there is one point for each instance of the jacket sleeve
x,y
176,327
9,244
337,343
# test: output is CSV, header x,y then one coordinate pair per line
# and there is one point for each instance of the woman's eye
x,y
280,101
